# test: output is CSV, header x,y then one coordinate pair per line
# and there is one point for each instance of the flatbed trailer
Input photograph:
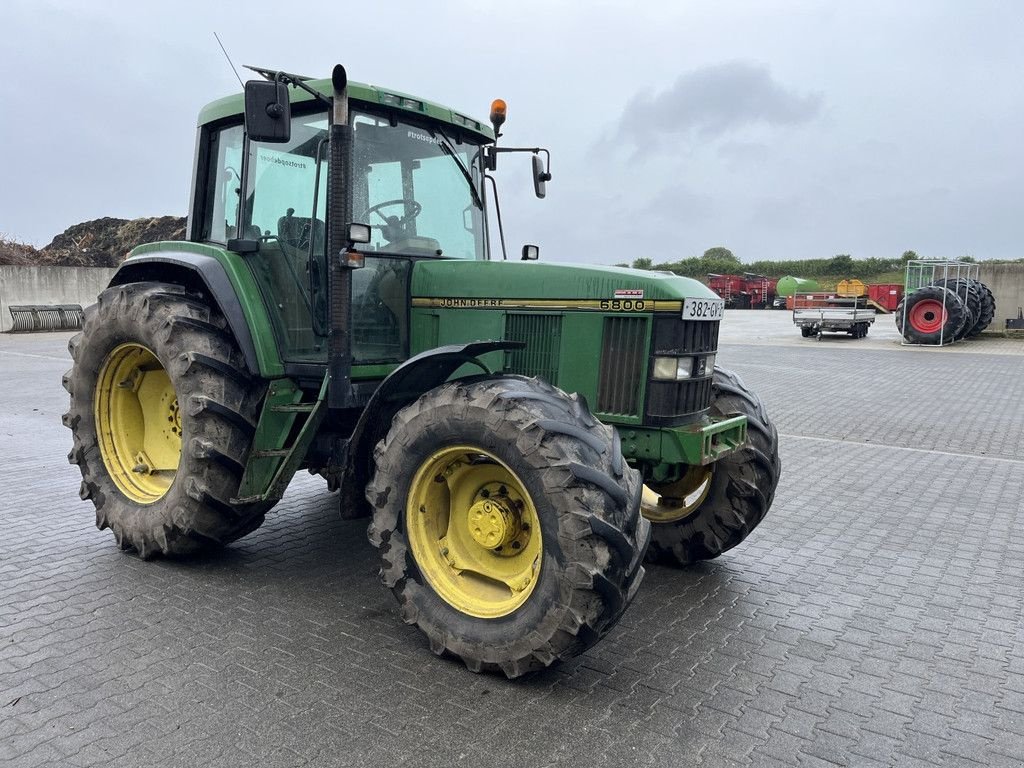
x,y
815,314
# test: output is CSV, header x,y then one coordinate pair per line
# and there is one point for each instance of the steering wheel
x,y
394,227
406,201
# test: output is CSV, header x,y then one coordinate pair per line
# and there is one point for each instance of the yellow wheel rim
x,y
138,423
474,532
669,502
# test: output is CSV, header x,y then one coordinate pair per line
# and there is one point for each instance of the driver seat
x,y
294,233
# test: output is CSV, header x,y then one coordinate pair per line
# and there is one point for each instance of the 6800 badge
x,y
703,309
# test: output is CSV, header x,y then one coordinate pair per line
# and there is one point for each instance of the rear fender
x,y
207,274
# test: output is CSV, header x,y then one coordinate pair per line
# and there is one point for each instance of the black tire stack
x,y
944,311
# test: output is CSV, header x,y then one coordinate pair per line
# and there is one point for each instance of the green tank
x,y
789,285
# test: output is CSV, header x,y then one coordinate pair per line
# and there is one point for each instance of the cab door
x,y
285,201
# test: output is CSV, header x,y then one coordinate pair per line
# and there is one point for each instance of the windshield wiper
x,y
449,150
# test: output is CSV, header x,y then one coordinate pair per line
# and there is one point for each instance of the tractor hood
x,y
448,283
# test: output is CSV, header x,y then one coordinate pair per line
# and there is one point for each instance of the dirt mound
x,y
105,242
98,243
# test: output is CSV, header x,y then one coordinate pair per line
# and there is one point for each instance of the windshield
x,y
417,188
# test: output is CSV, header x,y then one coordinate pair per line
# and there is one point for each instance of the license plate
x,y
703,309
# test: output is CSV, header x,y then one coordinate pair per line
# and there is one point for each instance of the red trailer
x,y
886,296
729,287
747,291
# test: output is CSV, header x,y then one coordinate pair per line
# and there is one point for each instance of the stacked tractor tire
x,y
946,310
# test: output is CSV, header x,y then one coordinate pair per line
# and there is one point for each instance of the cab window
x,y
224,185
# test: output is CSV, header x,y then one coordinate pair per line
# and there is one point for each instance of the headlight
x,y
673,368
665,368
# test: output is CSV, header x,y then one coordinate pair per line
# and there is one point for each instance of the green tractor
x,y
518,432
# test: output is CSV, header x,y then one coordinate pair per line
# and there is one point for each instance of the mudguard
x,y
407,382
195,271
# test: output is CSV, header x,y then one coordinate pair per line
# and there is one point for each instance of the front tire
x,y
507,521
163,415
739,488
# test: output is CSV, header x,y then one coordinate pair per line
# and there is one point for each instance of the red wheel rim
x,y
927,316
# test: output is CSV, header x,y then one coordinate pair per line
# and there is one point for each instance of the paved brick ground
x,y
874,619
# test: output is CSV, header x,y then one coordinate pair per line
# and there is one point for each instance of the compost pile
x,y
98,243
946,310
12,252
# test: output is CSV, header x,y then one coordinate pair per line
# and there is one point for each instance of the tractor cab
x,y
406,173
414,179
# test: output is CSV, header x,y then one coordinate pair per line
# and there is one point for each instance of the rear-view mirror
x,y
531,253
540,176
268,114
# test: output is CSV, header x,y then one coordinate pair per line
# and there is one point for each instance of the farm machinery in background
x,y
753,291
815,314
940,302
882,297
851,308
787,286
746,291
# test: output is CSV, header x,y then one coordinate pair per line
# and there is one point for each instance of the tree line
x,y
720,260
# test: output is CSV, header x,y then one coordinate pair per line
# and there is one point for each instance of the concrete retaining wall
x,y
49,285
1006,281
81,285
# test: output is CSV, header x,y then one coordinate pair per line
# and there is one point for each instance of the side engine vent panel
x,y
623,365
543,336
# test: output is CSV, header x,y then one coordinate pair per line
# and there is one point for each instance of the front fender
x,y
406,383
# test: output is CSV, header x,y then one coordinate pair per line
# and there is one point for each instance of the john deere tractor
x,y
517,431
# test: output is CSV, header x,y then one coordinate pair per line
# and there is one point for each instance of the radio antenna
x,y
230,63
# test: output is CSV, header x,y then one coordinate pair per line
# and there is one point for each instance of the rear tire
x,y
214,397
569,470
742,485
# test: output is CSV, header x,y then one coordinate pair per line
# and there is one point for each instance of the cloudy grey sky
x,y
778,128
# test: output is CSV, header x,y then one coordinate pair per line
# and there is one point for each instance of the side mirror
x,y
268,113
490,157
531,252
540,176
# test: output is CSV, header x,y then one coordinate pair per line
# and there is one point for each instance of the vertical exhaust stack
x,y
339,216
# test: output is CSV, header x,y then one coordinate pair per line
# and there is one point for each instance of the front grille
x,y
623,366
543,337
677,402
675,336
676,399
